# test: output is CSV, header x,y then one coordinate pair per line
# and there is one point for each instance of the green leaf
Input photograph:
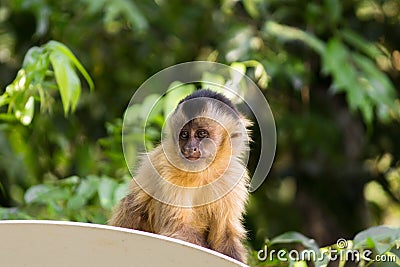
x,y
88,187
25,114
340,63
287,33
76,202
360,43
35,192
4,99
132,114
150,107
56,194
259,72
239,66
61,48
377,87
213,81
70,181
32,57
7,117
120,192
336,60
295,237
106,192
36,64
175,93
19,83
252,8
333,10
67,80
127,9
381,237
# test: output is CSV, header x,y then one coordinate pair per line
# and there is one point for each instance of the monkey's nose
x,y
189,150
191,153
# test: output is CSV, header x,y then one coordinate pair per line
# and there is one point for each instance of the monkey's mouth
x,y
192,158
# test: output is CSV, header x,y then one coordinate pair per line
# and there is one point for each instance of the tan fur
x,y
216,225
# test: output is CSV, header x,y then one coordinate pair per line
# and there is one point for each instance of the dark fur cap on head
x,y
195,107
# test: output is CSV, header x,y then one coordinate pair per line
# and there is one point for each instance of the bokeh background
x,y
333,87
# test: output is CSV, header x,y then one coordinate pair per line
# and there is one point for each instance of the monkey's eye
x,y
202,134
184,134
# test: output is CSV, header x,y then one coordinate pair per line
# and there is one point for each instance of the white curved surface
x,y
55,243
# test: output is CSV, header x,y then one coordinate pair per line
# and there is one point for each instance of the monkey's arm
x,y
178,223
131,211
187,233
226,232
227,239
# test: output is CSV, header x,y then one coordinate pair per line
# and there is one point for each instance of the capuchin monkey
x,y
193,186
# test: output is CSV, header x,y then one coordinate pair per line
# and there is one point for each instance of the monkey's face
x,y
199,139
202,133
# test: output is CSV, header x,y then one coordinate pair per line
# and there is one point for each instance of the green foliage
x,y
376,245
34,81
117,9
365,86
173,97
353,73
88,199
286,33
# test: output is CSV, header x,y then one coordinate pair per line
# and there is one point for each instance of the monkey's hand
x,y
129,214
188,234
233,248
226,237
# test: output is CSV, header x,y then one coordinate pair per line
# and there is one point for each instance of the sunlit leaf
x,y
175,93
252,8
25,114
259,72
32,56
35,65
67,80
295,237
61,48
213,81
7,117
4,100
239,66
288,33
